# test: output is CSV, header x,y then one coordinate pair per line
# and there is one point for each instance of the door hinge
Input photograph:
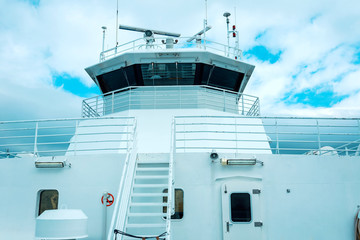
x,y
225,190
256,191
258,224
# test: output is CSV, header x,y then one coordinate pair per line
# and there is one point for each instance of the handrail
x,y
182,44
56,137
170,204
163,97
268,135
121,199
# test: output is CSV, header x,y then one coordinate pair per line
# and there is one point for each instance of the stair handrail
x,y
129,168
170,205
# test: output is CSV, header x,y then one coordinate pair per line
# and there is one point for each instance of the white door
x,y
241,210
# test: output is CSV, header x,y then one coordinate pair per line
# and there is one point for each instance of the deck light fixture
x,y
240,161
49,164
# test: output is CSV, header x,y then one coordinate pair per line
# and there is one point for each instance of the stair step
x,y
147,204
144,235
152,177
149,194
150,185
147,215
147,169
146,225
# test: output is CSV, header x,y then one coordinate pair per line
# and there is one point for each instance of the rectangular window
x,y
48,199
179,204
240,207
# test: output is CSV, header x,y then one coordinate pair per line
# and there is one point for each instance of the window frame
x,y
183,200
251,209
39,200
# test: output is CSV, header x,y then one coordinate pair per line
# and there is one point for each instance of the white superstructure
x,y
177,151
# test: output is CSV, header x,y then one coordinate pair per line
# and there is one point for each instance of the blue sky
x,y
307,54
74,85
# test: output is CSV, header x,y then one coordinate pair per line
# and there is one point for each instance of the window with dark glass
x,y
240,207
179,204
48,199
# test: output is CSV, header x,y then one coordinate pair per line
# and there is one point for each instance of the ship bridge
x,y
182,75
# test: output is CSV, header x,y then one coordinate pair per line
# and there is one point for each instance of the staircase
x,y
146,214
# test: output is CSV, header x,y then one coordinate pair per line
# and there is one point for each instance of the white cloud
x,y
65,36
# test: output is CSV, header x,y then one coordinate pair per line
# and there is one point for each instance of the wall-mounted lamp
x,y
240,161
49,164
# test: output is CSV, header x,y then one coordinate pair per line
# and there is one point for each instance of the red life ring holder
x,y
109,200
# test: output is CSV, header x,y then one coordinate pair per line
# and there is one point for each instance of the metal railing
x,y
170,97
170,199
269,135
124,191
160,44
59,137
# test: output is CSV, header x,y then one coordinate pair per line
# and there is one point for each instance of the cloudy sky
x,y
307,53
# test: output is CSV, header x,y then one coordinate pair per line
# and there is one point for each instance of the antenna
x,y
236,33
117,22
103,43
205,21
227,15
147,31
235,15
199,34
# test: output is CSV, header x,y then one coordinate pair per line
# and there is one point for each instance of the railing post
x,y
358,148
75,136
171,190
236,137
36,136
180,96
82,107
112,102
96,107
277,137
224,101
242,104
318,136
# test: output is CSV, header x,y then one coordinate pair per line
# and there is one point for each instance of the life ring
x,y
357,226
109,200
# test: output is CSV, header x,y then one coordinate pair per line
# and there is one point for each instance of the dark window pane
x,y
113,80
240,207
218,77
48,200
179,204
166,74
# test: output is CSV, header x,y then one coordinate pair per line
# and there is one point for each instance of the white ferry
x,y
173,148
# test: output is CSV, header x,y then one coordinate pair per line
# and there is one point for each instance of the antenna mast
x,y
227,15
117,22
205,23
103,43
